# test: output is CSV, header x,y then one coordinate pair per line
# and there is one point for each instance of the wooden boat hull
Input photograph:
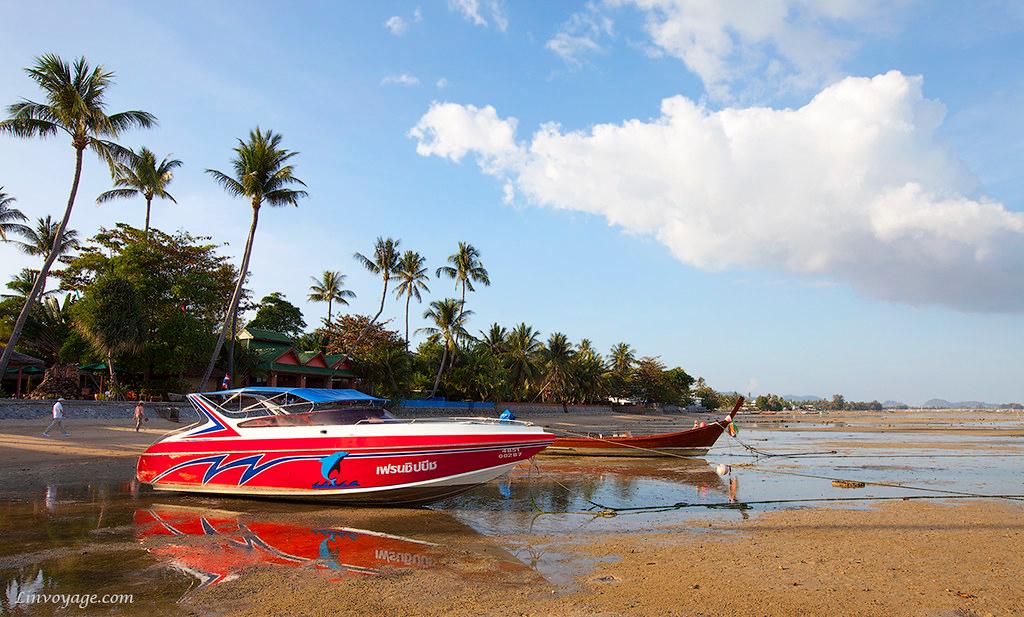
x,y
691,442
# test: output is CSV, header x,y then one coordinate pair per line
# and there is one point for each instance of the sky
x,y
793,196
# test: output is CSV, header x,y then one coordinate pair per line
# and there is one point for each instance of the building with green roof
x,y
280,364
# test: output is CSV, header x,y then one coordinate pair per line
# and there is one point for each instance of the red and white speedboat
x,y
338,445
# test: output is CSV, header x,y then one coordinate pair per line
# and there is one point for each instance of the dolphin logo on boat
x,y
332,464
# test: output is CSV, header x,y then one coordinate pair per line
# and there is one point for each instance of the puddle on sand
x,y
103,538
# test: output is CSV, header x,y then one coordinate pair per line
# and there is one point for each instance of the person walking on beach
x,y
58,418
140,415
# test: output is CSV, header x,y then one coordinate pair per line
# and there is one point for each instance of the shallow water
x,y
73,536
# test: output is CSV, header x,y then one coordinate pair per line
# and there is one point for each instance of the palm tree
x,y
42,239
449,321
523,358
465,269
262,175
622,358
75,105
495,340
142,175
384,263
558,357
9,216
330,288
21,284
110,317
412,276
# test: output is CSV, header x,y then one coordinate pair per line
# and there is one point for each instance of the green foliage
x,y
10,217
110,316
279,315
330,288
181,282
141,175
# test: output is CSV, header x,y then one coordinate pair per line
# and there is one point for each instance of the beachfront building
x,y
280,364
21,369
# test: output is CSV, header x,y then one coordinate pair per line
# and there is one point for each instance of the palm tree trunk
x,y
37,287
329,302
440,368
235,296
462,308
407,299
366,328
149,201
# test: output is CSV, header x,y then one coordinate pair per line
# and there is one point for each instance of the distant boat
x,y
339,445
691,442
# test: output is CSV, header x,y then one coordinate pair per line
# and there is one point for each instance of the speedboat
x,y
326,444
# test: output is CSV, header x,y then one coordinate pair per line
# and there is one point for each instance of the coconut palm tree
x,y
9,216
75,105
557,357
21,284
384,263
263,176
466,269
623,357
42,239
142,175
523,356
494,340
330,288
449,319
411,276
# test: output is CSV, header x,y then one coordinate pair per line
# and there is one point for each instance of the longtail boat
x,y
691,442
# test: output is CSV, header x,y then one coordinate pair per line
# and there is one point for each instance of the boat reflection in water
x,y
217,546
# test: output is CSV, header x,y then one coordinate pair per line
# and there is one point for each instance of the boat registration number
x,y
510,453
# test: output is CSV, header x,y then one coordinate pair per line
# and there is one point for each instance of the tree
x,y
557,357
110,317
465,269
42,241
183,280
622,358
523,359
21,284
449,321
277,314
495,340
838,402
9,217
75,105
141,175
384,263
330,288
263,176
412,276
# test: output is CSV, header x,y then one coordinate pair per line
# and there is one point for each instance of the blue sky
x,y
736,265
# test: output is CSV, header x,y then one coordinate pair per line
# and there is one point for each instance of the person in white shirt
x,y
58,418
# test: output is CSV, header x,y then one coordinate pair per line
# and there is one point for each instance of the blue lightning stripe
x,y
217,424
252,463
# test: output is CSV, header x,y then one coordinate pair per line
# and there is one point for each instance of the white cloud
x,y
581,34
417,15
472,11
758,48
853,187
396,25
442,83
403,79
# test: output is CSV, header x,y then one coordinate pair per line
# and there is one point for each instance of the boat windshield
x,y
257,405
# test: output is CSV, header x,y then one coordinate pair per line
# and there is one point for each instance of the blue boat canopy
x,y
313,395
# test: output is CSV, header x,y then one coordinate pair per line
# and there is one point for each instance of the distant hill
x,y
938,403
801,398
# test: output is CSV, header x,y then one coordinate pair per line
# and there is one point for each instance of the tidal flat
x,y
767,534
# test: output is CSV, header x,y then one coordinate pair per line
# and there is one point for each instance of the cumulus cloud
x,y
473,12
752,50
396,25
580,35
854,187
441,83
403,79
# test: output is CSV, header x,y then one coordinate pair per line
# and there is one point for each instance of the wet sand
x,y
936,557
905,558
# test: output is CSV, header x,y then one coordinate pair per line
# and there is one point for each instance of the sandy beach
x,y
896,557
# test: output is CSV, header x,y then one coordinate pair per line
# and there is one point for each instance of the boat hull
x,y
359,470
692,442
